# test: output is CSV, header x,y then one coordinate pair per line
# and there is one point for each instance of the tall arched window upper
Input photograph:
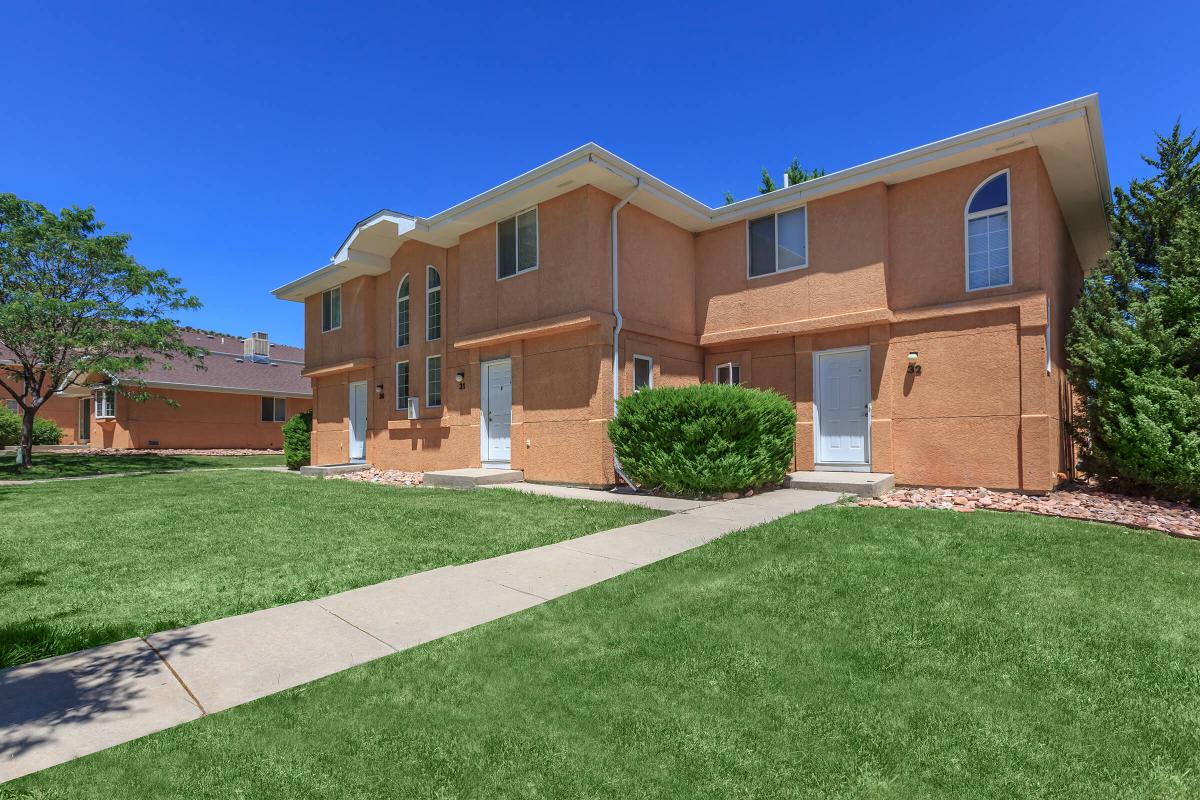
x,y
402,313
433,304
989,258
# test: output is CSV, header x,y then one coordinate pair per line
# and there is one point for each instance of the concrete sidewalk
x,y
69,706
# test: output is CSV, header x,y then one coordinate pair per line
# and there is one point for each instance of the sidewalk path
x,y
65,707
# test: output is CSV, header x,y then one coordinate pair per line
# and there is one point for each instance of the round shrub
x,y
297,440
704,439
10,428
46,431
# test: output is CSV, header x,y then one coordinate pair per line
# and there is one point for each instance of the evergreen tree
x,y
1134,346
767,184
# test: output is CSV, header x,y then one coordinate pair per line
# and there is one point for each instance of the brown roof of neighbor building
x,y
226,368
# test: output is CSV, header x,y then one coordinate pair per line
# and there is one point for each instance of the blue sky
x,y
238,145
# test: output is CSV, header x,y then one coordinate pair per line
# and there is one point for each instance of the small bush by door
x,y
297,440
704,439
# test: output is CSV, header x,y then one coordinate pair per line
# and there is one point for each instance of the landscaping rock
x,y
168,451
1075,502
387,477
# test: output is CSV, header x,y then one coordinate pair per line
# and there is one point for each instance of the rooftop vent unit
x,y
257,348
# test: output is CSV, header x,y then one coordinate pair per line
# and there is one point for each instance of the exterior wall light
x,y
913,367
460,378
912,356
379,390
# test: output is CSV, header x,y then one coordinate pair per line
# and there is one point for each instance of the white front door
x,y
358,421
496,413
842,411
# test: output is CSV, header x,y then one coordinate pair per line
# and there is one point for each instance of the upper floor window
x,y
517,244
274,409
989,241
402,313
643,373
729,373
433,304
106,403
331,309
778,242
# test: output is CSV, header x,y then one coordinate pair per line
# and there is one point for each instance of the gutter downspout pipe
x,y
616,308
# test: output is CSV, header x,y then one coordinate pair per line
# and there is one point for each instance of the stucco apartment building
x,y
240,399
913,308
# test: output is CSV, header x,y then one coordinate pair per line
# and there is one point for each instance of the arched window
x,y
989,260
402,313
433,304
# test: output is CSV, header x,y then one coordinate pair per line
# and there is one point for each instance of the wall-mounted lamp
x,y
460,378
379,390
913,366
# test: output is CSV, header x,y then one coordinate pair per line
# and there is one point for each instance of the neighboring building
x,y
248,387
913,308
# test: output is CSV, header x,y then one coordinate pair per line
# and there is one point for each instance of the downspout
x,y
616,308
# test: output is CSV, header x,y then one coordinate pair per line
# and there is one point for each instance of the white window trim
x,y
537,243
441,306
402,401
638,357
396,310
967,217
1049,364
441,381
331,289
776,220
731,365
113,405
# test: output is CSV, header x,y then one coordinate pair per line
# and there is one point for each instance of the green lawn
x,y
843,653
76,465
89,562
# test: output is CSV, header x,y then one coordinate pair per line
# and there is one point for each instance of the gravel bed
x,y
387,477
1177,519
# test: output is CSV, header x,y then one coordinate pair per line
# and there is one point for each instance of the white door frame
x,y
484,403
350,419
816,412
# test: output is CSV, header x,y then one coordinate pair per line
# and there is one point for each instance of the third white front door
x,y
843,398
497,413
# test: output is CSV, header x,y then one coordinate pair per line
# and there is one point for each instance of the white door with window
x,y
358,421
842,412
496,413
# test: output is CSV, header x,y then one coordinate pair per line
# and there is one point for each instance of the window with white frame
x,y
106,403
402,313
517,244
433,381
433,304
274,409
402,388
643,373
778,242
331,309
989,261
729,373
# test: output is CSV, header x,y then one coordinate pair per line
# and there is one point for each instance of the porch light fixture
x,y
912,356
379,390
460,378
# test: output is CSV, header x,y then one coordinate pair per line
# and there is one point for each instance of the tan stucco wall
x,y
199,420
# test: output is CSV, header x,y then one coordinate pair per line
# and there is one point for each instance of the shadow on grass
x,y
77,688
76,465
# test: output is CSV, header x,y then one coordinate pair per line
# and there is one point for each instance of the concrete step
x,y
863,484
471,477
321,470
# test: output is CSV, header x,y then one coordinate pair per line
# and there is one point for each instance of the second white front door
x,y
842,409
358,421
496,413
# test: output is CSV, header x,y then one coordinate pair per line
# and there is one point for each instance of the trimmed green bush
x,y
10,428
704,439
46,431
297,440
